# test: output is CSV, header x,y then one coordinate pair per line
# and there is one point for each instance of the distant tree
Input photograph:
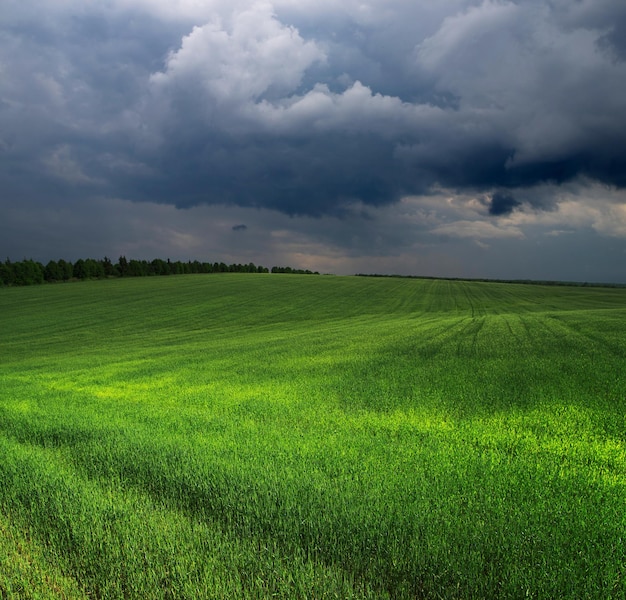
x,y
294,271
6,273
122,266
52,271
160,267
66,269
136,268
38,269
28,272
108,268
94,268
80,272
175,267
197,267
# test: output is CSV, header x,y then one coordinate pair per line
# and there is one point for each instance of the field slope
x,y
258,436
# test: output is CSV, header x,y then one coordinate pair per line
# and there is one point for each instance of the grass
x,y
243,436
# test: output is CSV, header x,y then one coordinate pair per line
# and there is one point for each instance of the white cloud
x,y
462,36
240,61
356,110
579,205
607,218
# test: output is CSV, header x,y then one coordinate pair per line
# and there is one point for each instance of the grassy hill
x,y
257,436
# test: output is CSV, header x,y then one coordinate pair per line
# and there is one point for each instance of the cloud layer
x,y
314,109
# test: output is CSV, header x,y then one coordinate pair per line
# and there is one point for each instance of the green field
x,y
259,436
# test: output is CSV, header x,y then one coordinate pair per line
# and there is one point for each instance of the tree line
x,y
30,272
484,280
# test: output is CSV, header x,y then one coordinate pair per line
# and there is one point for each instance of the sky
x,y
456,138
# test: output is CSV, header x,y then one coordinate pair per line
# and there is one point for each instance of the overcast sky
x,y
454,138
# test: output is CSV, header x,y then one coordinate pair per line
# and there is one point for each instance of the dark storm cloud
x,y
320,175
502,204
240,227
309,107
